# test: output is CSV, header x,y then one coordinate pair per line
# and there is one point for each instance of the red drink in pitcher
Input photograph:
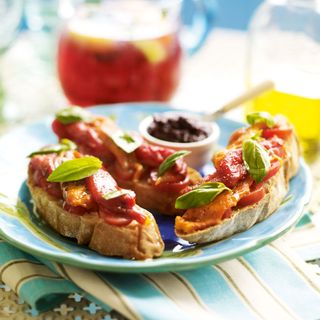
x,y
119,53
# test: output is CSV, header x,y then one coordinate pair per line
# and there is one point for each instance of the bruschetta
x,y
133,163
79,199
249,184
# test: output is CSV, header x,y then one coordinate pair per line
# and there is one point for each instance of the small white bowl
x,y
201,151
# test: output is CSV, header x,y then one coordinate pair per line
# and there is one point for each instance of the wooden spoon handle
x,y
244,97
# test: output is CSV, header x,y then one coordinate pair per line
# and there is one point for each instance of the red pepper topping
x,y
230,169
152,156
100,184
87,195
84,135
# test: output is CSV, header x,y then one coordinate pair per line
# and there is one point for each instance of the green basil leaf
x,y
257,135
73,114
70,144
63,145
201,195
75,169
261,117
125,141
117,193
170,161
256,159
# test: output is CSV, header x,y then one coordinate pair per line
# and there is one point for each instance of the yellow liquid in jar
x,y
303,112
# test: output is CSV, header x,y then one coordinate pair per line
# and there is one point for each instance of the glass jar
x,y
127,50
284,46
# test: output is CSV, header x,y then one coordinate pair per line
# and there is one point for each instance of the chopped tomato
x,y
227,214
169,182
123,173
115,219
275,167
100,184
236,135
283,133
84,135
41,166
253,197
121,203
122,207
231,169
53,189
59,129
79,211
138,214
275,146
152,156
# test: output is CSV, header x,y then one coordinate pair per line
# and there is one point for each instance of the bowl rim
x,y
212,137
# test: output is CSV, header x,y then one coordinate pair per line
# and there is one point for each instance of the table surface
x,y
210,78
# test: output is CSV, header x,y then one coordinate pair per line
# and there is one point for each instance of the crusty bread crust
x,y
244,218
134,241
152,199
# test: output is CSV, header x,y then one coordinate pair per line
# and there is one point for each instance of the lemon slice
x,y
88,40
153,50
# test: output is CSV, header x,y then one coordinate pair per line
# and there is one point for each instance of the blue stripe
x,y
9,253
44,294
147,300
217,294
286,283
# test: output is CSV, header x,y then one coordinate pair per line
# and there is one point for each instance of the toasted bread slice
x,y
160,201
244,218
120,163
134,241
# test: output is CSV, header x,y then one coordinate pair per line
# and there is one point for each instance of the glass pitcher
x,y
284,46
129,50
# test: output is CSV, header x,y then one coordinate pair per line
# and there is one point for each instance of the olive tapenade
x,y
177,128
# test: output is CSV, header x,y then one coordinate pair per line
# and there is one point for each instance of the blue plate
x,y
22,227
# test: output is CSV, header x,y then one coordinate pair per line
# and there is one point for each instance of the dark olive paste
x,y
177,128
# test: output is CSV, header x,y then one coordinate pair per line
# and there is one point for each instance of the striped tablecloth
x,y
273,282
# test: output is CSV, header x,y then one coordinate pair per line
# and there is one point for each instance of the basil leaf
x,y
63,145
256,159
170,161
125,141
75,169
73,114
201,195
257,135
261,117
117,193
68,143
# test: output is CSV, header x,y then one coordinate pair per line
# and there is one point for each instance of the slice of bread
x,y
244,218
152,199
133,241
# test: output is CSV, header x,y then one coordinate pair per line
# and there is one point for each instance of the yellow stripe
x,y
177,289
249,303
101,290
271,293
13,272
120,297
27,278
299,270
252,289
12,262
